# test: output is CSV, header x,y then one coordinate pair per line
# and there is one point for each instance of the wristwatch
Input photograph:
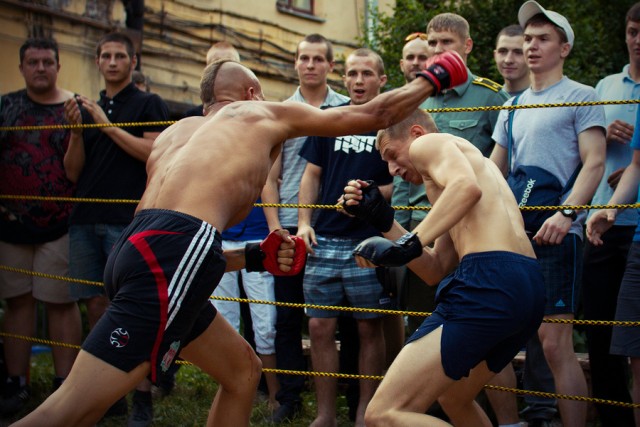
x,y
569,213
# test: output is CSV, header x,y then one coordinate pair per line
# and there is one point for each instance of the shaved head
x,y
222,50
227,80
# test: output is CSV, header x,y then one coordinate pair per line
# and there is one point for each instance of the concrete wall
x,y
176,36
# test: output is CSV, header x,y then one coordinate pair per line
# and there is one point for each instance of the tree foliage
x,y
599,48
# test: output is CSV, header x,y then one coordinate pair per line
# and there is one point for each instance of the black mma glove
x,y
386,253
373,208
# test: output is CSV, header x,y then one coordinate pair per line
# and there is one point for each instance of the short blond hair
x,y
401,129
450,22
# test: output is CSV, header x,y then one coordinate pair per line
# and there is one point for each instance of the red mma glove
x,y
263,256
445,71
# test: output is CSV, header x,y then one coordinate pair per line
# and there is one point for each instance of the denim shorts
x,y
89,248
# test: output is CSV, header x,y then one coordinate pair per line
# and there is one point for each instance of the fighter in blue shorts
x,y
479,245
204,175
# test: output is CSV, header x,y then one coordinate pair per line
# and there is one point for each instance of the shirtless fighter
x,y
486,309
204,174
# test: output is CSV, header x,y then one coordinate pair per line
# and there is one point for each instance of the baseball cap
x,y
531,8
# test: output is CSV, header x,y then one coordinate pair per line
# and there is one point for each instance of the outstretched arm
x,y
443,71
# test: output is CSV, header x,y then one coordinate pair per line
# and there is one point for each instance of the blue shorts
x,y
159,277
562,270
332,278
488,308
625,340
89,248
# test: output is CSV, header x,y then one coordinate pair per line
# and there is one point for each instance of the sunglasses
x,y
413,36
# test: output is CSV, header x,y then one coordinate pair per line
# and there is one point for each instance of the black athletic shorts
x,y
159,277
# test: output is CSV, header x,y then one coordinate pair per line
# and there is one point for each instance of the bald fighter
x,y
486,309
204,174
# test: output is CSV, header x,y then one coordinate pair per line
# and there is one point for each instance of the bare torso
x,y
494,223
199,167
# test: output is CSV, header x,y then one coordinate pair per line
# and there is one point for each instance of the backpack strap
x,y
510,134
571,181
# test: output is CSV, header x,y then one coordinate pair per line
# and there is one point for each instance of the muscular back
x,y
494,222
214,167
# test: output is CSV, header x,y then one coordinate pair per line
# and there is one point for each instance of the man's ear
x,y
468,45
134,62
250,93
416,131
383,80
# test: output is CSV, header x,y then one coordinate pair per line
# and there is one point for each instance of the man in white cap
x,y
564,144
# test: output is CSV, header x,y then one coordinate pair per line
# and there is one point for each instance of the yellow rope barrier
x,y
306,206
323,307
364,377
431,110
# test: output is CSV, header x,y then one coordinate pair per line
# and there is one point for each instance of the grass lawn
x,y
187,405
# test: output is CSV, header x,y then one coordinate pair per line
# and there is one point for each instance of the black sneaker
x,y
14,400
141,414
540,422
285,412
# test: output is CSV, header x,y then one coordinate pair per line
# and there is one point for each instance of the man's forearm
x,y
235,259
74,157
137,147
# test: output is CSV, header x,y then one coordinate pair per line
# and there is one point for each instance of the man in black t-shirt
x,y
332,277
108,163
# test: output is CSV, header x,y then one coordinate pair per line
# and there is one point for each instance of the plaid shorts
x,y
562,270
332,278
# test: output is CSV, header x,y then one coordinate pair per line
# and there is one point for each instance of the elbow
x,y
72,174
470,190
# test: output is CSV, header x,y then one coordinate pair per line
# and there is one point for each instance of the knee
x,y
254,369
320,329
376,416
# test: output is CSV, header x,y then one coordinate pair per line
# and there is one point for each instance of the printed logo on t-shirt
x,y
355,143
560,303
119,338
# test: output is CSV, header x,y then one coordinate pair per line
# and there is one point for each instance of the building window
x,y
300,6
